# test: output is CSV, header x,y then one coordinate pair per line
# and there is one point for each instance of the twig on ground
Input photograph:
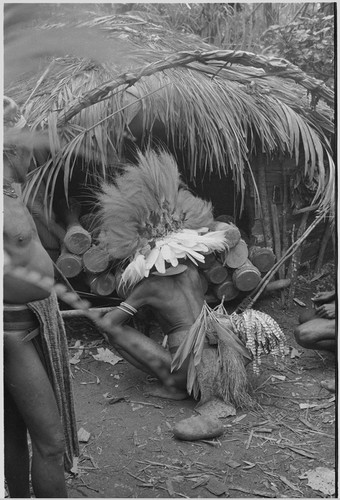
x,y
296,431
258,493
249,439
144,403
175,492
87,486
157,464
139,478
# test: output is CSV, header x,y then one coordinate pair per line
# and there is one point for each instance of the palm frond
x,y
217,114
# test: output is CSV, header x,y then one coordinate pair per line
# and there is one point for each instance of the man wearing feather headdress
x,y
159,232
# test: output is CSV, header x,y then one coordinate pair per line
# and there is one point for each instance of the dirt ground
x,y
130,451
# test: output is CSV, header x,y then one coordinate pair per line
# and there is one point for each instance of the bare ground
x,y
264,452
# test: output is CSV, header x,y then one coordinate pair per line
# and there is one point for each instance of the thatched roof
x,y
219,107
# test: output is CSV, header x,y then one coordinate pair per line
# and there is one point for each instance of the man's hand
x,y
326,311
323,297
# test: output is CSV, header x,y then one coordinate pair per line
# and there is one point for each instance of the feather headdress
x,y
150,219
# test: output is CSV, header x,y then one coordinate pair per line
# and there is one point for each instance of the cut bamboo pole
x,y
102,284
69,264
232,233
226,290
262,257
273,286
95,259
77,240
216,273
236,256
246,277
209,260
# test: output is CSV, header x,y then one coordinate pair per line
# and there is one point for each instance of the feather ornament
x,y
149,219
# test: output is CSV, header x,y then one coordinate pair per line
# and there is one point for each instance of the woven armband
x,y
127,308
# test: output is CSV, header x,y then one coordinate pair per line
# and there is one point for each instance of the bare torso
x,y
22,244
175,300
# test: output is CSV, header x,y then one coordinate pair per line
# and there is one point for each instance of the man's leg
x,y
30,388
16,450
317,334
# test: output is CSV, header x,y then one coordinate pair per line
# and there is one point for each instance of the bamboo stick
x,y
276,233
323,245
251,299
311,208
262,187
296,260
75,313
284,224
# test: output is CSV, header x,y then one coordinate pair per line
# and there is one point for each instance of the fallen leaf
x,y
321,479
233,464
200,482
107,356
83,435
304,453
288,483
238,419
278,377
304,406
136,407
295,353
76,357
74,468
170,487
249,465
216,408
216,487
